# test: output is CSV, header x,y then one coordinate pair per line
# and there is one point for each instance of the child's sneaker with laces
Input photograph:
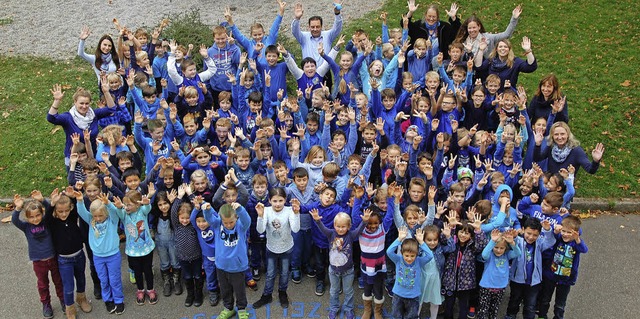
x,y
226,314
296,276
140,297
47,310
111,307
153,296
119,308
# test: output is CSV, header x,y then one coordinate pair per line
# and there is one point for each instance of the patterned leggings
x,y
489,302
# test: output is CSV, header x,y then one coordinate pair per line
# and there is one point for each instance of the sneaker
x,y
140,297
349,314
226,314
296,276
252,284
284,299
242,314
256,273
132,277
389,289
264,299
153,297
472,313
361,282
214,298
311,273
97,293
333,315
111,307
319,288
47,310
119,308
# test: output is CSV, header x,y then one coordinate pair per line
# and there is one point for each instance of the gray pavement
x,y
606,288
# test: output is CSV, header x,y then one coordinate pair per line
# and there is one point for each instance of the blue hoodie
x,y
226,60
103,237
231,246
511,220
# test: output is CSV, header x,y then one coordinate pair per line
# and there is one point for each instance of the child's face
x,y
190,128
164,207
432,240
160,50
277,203
272,58
160,116
546,208
407,83
192,100
509,133
190,72
354,167
500,248
388,102
411,219
382,204
222,132
552,184
183,218
265,151
114,85
242,162
318,159
448,104
341,226
531,235
458,76
168,179
546,89
393,156
373,224
493,87
225,105
99,217
420,51
368,135
150,99
423,163
455,54
230,196
409,257
541,123
157,134
458,197
327,197
257,34
525,188
432,83
144,61
465,182
202,223
62,211
463,236
567,233
260,189
343,117
281,173
507,158
92,192
248,82
416,193
203,158
179,55
346,60
376,69
495,182
132,182
130,206
508,102
309,69
339,141
255,106
504,194
142,39
288,121
34,217
423,106
396,38
200,184
478,98
220,40
388,54
317,101
312,126
301,182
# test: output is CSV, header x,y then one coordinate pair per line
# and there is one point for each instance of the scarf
x,y
498,65
106,59
560,154
432,27
83,122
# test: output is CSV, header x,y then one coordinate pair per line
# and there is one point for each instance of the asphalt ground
x,y
607,285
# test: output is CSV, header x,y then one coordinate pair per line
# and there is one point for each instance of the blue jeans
x,y
72,268
109,271
347,289
272,267
210,270
523,293
405,308
191,269
301,254
167,253
562,292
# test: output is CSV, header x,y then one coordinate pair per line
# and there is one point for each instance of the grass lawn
x,y
591,47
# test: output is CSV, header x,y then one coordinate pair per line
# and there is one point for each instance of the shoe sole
x,y
311,275
319,293
296,281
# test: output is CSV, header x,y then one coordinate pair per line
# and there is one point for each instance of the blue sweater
x,y
205,237
328,213
66,121
39,239
496,268
408,276
511,218
231,246
226,60
103,237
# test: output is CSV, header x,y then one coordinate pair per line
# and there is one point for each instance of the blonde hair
x,y
510,57
571,140
342,217
313,152
113,130
190,92
342,86
97,207
198,174
81,92
432,75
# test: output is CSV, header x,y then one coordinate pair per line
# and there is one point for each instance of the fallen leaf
x,y
55,129
6,220
621,226
5,114
626,83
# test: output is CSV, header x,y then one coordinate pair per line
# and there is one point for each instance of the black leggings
x,y
143,270
376,287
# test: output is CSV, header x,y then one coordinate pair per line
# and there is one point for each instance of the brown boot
x,y
377,309
368,301
81,300
70,311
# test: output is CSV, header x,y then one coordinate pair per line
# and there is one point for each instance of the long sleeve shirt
x,y
278,227
408,276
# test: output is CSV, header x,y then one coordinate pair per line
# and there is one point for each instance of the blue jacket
x,y
565,263
226,60
408,276
205,237
518,271
103,237
511,220
496,268
231,244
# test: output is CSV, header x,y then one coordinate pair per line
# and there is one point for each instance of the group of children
x,y
389,178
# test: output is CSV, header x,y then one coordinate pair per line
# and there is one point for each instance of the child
x,y
279,222
189,77
548,210
526,269
133,211
226,56
419,58
230,228
314,163
165,246
303,191
207,245
41,249
563,272
104,242
341,260
496,256
414,255
158,144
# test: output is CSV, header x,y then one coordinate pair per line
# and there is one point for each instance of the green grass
x,y
590,46
5,21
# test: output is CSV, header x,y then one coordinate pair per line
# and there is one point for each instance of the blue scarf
x,y
498,65
432,28
559,155
106,59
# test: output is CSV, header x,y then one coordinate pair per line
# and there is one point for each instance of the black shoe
x,y
284,299
97,293
189,285
214,298
319,288
265,299
119,308
296,276
256,273
311,273
47,310
111,307
197,296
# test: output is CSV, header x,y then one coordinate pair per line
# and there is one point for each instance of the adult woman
x,y
563,149
81,116
548,99
502,61
105,58
472,32
440,33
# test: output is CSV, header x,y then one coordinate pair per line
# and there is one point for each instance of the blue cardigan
x,y
518,271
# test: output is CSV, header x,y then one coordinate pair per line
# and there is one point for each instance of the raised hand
x,y
453,11
477,221
420,235
452,218
315,214
496,234
516,12
298,11
56,92
366,216
260,210
526,44
402,233
85,32
597,153
446,230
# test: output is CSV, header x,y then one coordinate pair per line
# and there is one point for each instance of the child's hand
x,y
172,195
452,218
175,145
295,205
269,163
374,83
104,198
432,193
75,138
434,127
18,202
515,170
534,198
138,118
267,78
477,221
402,233
452,162
314,214
260,209
108,182
421,217
546,225
145,198
131,79
420,235
495,235
205,206
440,209
366,216
197,201
504,202
509,236
446,230
182,189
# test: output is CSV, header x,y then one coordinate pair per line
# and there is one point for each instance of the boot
x,y
368,302
199,283
189,285
377,309
81,300
70,311
167,280
177,282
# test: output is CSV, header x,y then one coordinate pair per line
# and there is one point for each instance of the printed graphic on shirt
x,y
406,276
563,260
99,229
207,235
229,239
339,253
136,231
277,233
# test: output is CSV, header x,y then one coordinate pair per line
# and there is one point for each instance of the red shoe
x,y
252,284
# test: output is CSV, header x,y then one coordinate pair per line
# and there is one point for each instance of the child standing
x,y
165,246
278,222
230,228
414,255
41,249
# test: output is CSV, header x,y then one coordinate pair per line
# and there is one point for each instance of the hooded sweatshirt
x,y
511,218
